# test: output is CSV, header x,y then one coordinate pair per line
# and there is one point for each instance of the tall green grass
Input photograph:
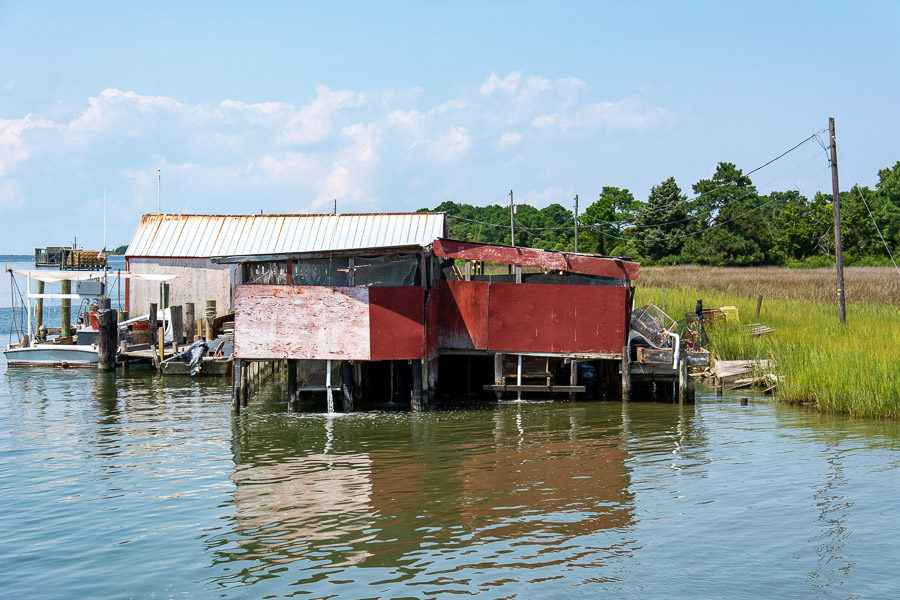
x,y
852,368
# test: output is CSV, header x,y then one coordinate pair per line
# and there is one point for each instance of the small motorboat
x,y
35,350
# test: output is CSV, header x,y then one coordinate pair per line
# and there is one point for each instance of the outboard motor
x,y
193,356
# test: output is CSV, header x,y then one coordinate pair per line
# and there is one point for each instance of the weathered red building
x,y
379,322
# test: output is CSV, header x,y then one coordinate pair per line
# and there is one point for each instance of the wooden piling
x,y
292,384
416,393
107,342
236,372
190,326
175,313
210,318
151,333
347,387
65,310
626,373
758,304
39,307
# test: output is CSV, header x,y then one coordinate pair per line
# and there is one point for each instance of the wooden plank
x,y
534,388
308,322
557,318
463,315
532,257
396,323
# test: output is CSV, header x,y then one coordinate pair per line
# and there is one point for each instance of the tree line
x,y
725,222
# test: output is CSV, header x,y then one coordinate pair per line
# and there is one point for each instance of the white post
x,y
519,377
30,307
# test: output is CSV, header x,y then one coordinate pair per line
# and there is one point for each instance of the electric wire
x,y
874,222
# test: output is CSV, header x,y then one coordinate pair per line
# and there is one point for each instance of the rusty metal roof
x,y
202,236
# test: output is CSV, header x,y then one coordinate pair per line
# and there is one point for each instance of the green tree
x,y
662,223
726,220
604,223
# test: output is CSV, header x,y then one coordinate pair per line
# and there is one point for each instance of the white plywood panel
x,y
275,321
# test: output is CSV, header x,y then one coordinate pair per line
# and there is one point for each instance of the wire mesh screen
x,y
456,272
321,271
312,374
392,270
556,278
266,273
651,323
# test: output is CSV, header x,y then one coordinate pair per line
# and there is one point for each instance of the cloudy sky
x,y
395,106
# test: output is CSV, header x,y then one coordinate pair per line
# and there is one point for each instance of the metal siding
x,y
396,323
464,314
557,318
201,236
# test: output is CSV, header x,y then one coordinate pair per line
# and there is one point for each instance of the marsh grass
x,y
852,368
864,285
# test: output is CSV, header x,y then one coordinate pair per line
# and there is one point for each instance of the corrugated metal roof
x,y
202,236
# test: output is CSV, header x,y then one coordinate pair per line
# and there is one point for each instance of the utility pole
x,y
576,222
512,226
836,203
158,185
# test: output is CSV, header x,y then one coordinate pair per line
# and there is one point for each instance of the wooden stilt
x,y
416,393
292,385
626,373
347,387
236,382
108,336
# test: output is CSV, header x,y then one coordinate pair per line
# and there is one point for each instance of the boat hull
x,y
60,355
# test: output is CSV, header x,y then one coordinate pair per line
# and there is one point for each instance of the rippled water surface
x,y
131,486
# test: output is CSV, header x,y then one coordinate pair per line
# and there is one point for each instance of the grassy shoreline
x,y
852,369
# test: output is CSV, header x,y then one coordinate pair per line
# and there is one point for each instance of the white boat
x,y
52,355
31,353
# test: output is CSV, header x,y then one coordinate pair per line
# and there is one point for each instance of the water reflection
x,y
521,488
833,513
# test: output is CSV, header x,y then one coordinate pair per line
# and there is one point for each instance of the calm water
x,y
134,487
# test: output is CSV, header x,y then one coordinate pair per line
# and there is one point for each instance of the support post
x,y
416,393
190,325
151,333
292,384
836,203
39,307
236,381
65,310
210,317
347,385
107,341
175,313
626,373
758,304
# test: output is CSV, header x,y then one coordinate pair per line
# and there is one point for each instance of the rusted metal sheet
x,y
433,324
557,318
204,236
396,323
280,321
531,257
464,314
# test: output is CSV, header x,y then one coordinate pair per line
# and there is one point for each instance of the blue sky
x,y
395,106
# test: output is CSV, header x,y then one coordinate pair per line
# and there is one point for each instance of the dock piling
x,y
108,338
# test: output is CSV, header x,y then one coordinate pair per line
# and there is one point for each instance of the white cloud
x,y
510,138
508,84
449,147
354,145
314,121
549,195
13,145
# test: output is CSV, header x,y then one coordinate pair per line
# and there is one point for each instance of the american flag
x,y
102,254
